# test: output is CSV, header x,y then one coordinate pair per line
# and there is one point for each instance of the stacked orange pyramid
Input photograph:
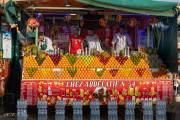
x,y
48,63
113,63
128,64
64,63
96,63
29,62
79,63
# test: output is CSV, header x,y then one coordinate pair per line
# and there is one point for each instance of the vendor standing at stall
x,y
75,42
120,41
93,42
45,43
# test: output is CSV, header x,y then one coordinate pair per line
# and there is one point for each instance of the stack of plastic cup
x,y
147,110
129,112
77,110
161,110
112,110
21,110
42,110
60,110
95,110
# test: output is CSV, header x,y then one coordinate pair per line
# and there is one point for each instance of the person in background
x,y
92,42
120,41
45,43
55,48
75,42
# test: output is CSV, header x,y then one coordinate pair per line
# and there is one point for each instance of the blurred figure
x,y
45,43
75,42
92,42
120,41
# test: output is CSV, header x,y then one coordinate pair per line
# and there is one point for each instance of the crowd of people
x,y
91,42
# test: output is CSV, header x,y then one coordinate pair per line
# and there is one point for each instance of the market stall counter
x,y
104,77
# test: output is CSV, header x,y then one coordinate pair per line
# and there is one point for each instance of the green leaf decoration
x,y
72,71
99,71
71,58
31,71
87,59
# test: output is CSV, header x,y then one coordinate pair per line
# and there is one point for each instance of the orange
x,y
79,63
147,74
25,75
106,75
128,64
143,64
113,63
133,74
48,63
64,63
96,63
29,62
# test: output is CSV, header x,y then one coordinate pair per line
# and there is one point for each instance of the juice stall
x,y
85,78
134,74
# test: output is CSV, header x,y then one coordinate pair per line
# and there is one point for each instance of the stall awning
x,y
151,7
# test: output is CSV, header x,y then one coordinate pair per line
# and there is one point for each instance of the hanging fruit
x,y
32,22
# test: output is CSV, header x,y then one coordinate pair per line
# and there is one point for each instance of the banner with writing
x,y
104,90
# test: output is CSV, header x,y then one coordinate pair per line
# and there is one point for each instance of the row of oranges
x,y
91,74
82,62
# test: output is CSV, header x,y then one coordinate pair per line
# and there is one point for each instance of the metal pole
x,y
36,38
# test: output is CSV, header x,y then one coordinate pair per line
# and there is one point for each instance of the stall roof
x,y
50,3
152,7
54,5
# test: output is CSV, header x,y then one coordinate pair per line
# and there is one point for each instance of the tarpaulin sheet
x,y
152,7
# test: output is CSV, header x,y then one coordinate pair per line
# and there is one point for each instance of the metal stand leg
x,y
1,105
